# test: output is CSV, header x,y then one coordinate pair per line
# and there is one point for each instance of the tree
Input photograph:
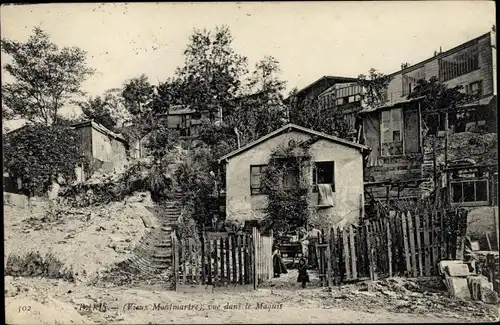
x,y
312,115
211,75
137,94
265,77
437,97
374,87
46,77
38,153
98,109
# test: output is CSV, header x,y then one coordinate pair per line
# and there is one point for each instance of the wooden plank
x,y
184,264
228,265
442,237
246,262
203,261
209,256
255,257
497,226
389,246
411,236
427,266
233,256
216,260
353,252
335,267
175,250
222,257
434,243
329,260
240,273
250,259
405,243
420,249
347,258
369,250
190,256
216,235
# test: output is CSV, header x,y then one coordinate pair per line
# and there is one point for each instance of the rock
x,y
389,293
457,270
457,287
443,264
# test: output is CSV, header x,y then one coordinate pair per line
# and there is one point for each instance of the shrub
x,y
37,153
34,265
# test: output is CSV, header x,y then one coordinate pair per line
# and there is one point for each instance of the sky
x,y
309,39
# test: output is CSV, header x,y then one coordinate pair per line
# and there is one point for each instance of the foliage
x,y
39,153
99,110
374,87
210,77
197,183
312,115
160,140
46,77
137,94
287,208
437,97
34,265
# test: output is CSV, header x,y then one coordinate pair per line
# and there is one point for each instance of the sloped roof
x,y
295,127
389,105
331,79
100,128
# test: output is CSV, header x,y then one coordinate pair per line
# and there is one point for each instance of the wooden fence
x,y
402,244
221,260
263,267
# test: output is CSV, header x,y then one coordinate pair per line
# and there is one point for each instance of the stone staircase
x,y
153,253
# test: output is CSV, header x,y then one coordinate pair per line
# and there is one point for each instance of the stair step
x,y
164,245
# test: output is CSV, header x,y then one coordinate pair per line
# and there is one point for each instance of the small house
x,y
337,166
104,149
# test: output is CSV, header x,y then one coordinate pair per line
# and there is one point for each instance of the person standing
x,y
303,277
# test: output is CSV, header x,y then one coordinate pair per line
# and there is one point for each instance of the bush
x,y
34,265
37,153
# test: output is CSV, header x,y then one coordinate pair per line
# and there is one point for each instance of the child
x,y
303,276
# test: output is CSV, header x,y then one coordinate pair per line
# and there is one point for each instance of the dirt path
x,y
142,306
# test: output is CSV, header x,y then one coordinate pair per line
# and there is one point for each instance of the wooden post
x,y
353,252
497,225
427,245
175,256
369,250
405,243
389,247
228,264
255,257
347,258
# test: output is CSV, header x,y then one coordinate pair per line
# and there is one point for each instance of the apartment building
x,y
403,158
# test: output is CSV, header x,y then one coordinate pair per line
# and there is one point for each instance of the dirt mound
x,y
86,239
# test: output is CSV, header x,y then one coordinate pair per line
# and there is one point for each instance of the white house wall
x,y
241,206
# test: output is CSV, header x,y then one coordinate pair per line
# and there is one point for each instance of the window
x,y
256,186
474,88
341,101
469,191
410,80
459,63
324,173
391,132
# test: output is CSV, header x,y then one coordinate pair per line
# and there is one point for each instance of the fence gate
x,y
221,261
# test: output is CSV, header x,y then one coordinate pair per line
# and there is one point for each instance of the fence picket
x,y
347,259
435,244
405,242
353,252
420,250
411,236
175,250
427,269
240,273
369,250
389,247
